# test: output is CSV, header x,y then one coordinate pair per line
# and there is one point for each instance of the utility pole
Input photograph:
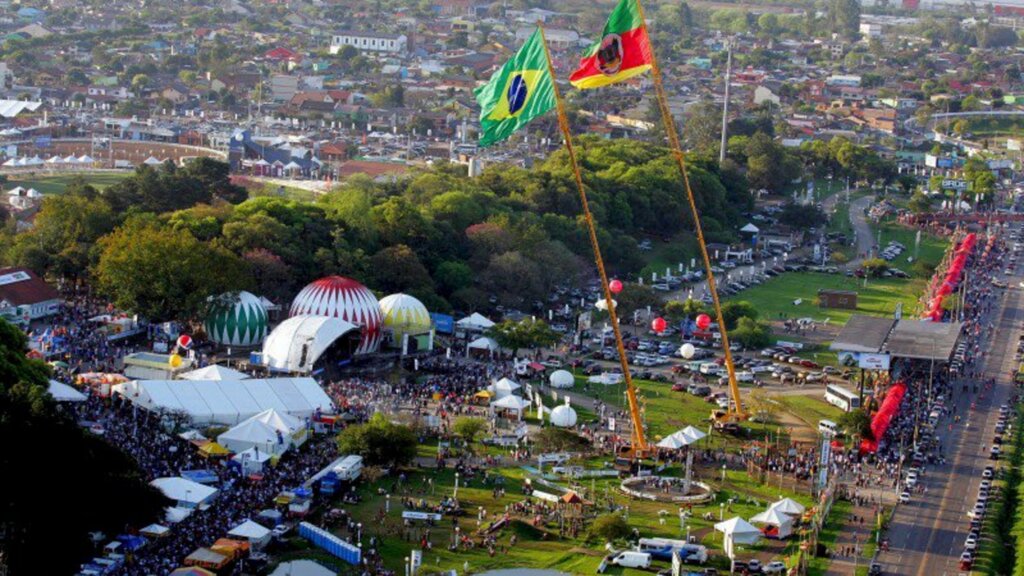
x,y
725,105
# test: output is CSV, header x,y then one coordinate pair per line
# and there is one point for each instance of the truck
x,y
663,548
350,468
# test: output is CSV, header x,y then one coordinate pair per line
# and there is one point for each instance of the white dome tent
x,y
298,342
563,416
562,379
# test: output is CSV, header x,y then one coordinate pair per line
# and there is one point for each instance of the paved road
x,y
927,535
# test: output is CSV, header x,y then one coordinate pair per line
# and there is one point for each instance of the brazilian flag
x,y
522,90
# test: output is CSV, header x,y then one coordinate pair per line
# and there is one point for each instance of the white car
x,y
971,545
905,497
774,568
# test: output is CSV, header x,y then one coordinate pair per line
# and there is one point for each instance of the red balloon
x,y
615,286
659,324
703,321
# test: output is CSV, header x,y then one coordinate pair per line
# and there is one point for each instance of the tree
x,y
732,311
140,82
703,127
635,297
801,217
919,203
164,274
214,176
380,442
526,333
38,495
468,428
855,423
874,267
398,269
844,18
609,527
769,165
552,439
751,333
453,275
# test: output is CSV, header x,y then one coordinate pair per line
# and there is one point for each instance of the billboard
x,y
443,323
873,361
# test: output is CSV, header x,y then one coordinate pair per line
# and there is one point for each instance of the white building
x,y
388,43
849,80
871,30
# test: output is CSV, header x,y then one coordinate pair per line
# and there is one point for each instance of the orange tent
x,y
231,548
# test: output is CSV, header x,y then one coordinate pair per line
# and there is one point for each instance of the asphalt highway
x,y
927,535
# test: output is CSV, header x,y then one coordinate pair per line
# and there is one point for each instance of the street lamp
x,y
407,566
455,493
721,511
723,472
387,503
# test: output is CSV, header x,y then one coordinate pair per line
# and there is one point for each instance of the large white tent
x,y
225,401
254,533
186,493
214,372
737,531
773,517
562,379
475,322
63,393
681,438
251,460
788,506
270,431
503,387
484,343
511,404
298,342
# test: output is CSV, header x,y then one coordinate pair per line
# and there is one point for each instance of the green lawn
x,y
56,184
668,255
839,220
810,409
827,537
774,298
542,547
930,252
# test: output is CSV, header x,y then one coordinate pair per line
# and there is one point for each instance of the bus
x,y
841,397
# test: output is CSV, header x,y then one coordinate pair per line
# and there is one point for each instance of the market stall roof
x,y
788,506
214,372
484,343
183,490
742,532
61,392
301,568
772,516
863,334
192,571
919,340
228,402
475,321
503,387
155,530
750,229
511,403
249,530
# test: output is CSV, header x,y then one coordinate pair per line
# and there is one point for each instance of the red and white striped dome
x,y
340,297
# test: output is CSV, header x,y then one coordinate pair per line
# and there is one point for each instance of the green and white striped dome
x,y
404,314
236,319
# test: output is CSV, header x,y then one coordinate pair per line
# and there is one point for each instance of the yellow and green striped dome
x,y
404,314
236,319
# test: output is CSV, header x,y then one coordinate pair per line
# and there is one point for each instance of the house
x,y
238,83
282,54
34,31
30,14
764,94
176,92
397,44
283,87
21,289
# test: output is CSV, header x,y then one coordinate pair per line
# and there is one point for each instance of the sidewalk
x,y
853,536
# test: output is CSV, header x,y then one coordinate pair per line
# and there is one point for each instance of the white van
x,y
630,559
828,427
710,369
350,468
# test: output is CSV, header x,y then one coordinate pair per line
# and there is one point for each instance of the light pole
x,y
455,493
387,503
723,473
407,566
721,511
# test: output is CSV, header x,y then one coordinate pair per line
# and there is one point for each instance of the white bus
x,y
841,397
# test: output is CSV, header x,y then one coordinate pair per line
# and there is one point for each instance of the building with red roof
x,y
24,293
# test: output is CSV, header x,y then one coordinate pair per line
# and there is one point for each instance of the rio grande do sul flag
x,y
624,50
522,90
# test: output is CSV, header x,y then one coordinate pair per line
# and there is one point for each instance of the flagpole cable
x,y
677,153
639,443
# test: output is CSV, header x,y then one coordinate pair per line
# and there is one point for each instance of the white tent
x,y
475,321
54,160
511,404
788,506
63,393
267,304
302,568
484,343
739,531
151,161
214,372
681,438
292,166
254,533
671,442
11,162
503,387
563,416
70,159
750,229
562,379
85,159
225,401
16,191
773,517
602,305
270,431
155,530
35,161
175,514
694,434
251,460
298,342
186,493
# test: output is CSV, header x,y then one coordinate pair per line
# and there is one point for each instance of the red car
x,y
679,387
809,364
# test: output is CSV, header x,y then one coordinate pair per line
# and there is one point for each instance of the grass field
x,y
668,255
930,251
810,409
774,298
55,184
827,537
